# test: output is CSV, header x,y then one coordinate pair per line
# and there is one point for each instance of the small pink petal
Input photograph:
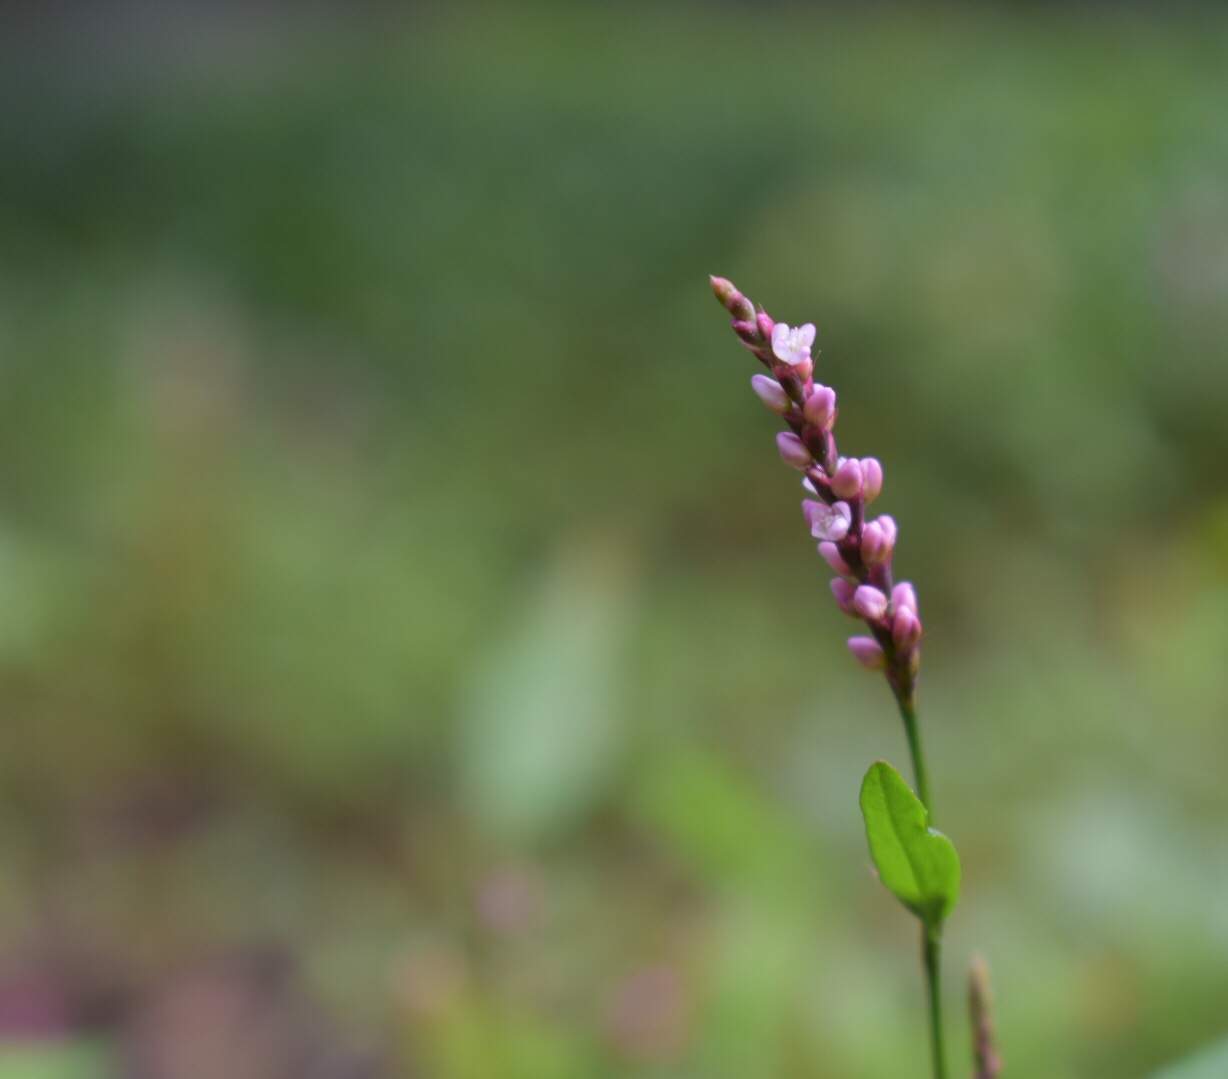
x,y
793,450
831,555
903,595
869,602
847,481
843,591
868,652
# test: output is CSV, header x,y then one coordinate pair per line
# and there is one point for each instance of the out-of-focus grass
x,y
395,570
71,1061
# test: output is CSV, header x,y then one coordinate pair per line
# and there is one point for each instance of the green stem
x,y
931,952
909,713
931,937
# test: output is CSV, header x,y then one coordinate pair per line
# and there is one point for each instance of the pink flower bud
x,y
831,555
872,478
770,392
766,324
868,652
887,524
869,602
875,550
903,595
731,299
827,522
820,407
747,331
847,481
793,451
905,628
843,591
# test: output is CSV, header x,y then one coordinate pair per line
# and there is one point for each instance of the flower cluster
x,y
858,549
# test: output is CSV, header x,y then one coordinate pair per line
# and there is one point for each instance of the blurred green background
x,y
412,661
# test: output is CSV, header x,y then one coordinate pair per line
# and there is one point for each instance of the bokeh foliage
x,y
396,573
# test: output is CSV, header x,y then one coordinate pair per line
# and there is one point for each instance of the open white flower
x,y
826,522
792,344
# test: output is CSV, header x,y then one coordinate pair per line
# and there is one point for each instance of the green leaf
x,y
917,863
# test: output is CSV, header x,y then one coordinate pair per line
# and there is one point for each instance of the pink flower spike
x,y
820,407
831,555
903,595
847,481
793,451
905,628
792,345
827,522
868,652
872,478
870,603
770,392
843,591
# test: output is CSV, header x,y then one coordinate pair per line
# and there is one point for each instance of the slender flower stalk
x,y
857,548
985,1056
